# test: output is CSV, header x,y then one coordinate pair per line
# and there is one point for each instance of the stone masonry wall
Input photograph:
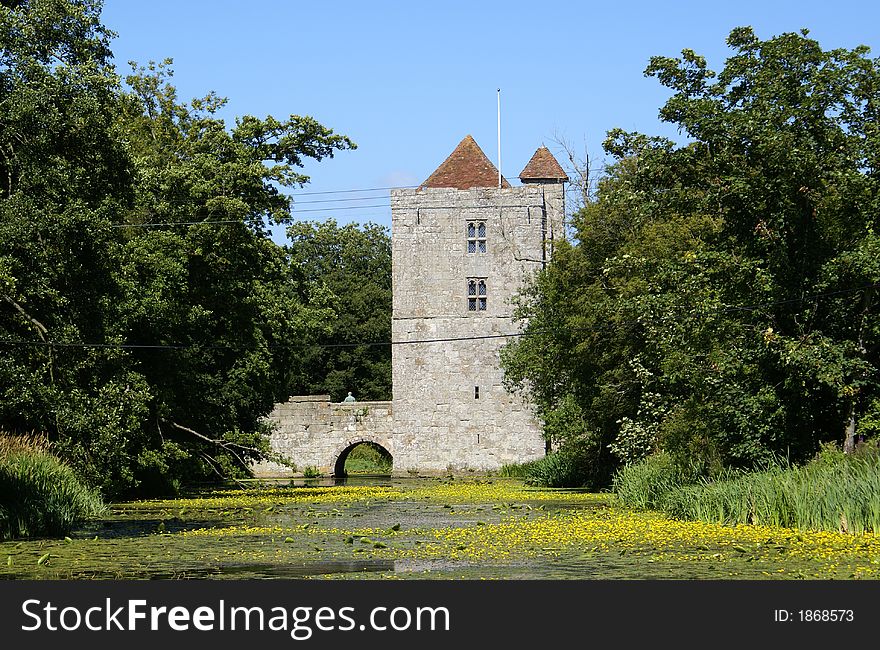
x,y
439,422
312,431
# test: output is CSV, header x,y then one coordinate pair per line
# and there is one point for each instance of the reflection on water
x,y
288,570
381,480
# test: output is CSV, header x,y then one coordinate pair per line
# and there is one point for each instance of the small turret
x,y
543,168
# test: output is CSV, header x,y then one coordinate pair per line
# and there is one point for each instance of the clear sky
x,y
407,80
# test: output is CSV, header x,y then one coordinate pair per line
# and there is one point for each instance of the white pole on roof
x,y
499,138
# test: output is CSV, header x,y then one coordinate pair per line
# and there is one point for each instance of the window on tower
x,y
476,294
476,236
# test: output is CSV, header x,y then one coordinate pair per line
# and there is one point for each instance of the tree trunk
x,y
849,441
849,438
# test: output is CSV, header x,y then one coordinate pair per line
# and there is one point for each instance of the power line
x,y
243,220
393,187
369,189
295,212
186,346
175,223
156,224
349,200
807,298
350,207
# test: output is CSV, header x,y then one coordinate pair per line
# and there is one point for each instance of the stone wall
x,y
451,411
313,431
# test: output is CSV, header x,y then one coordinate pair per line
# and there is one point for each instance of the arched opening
x,y
363,458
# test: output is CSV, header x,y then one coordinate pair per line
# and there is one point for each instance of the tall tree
x,y
64,179
146,313
719,301
201,273
353,264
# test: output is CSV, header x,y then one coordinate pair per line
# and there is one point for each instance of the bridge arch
x,y
342,451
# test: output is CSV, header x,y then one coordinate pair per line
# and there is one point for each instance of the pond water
x,y
369,528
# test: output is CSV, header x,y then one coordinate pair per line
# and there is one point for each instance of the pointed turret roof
x,y
466,167
543,167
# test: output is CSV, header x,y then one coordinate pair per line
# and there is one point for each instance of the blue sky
x,y
407,81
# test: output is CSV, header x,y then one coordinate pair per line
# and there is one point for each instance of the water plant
x,y
645,485
431,528
40,495
834,492
558,469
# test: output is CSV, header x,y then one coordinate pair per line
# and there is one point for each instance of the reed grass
x,y
647,484
556,470
40,496
10,444
843,497
516,470
832,493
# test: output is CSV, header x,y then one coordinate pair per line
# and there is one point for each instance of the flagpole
x,y
499,138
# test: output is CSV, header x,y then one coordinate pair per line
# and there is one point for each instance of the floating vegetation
x,y
429,529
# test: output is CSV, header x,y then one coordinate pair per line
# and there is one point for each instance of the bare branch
x,y
214,464
223,444
41,329
527,259
578,169
9,168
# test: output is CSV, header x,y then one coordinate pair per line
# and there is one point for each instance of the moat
x,y
424,529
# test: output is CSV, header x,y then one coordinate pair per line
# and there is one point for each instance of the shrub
x,y
39,495
366,458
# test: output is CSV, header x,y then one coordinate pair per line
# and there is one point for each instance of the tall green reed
x,y
40,496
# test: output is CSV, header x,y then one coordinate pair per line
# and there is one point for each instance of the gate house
x,y
461,249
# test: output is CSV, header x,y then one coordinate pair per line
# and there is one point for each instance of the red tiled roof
x,y
543,166
466,167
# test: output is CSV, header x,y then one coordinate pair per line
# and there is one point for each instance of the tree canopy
x,y
718,299
146,318
353,264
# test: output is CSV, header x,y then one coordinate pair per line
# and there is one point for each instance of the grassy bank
x,y
834,492
39,495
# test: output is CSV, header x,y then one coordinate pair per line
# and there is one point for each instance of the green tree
x,y
718,302
64,178
353,264
200,272
147,315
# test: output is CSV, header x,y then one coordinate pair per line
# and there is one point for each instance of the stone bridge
x,y
312,431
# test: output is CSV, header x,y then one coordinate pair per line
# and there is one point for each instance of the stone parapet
x,y
311,431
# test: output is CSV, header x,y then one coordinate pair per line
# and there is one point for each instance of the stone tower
x,y
462,247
